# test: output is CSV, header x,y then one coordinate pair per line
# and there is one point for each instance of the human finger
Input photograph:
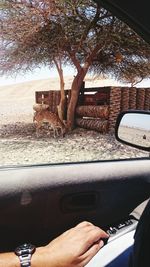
x,y
83,224
95,234
86,238
93,250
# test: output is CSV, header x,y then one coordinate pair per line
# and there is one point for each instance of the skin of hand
x,y
74,248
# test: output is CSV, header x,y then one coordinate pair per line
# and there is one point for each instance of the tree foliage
x,y
76,32
35,32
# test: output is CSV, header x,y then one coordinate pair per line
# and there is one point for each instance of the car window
x,y
88,69
19,144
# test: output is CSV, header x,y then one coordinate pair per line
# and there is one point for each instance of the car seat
x,y
140,256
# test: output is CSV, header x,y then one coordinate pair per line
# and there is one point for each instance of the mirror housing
x,y
133,129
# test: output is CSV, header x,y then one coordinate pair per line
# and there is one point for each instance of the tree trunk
x,y
75,89
62,105
61,108
77,82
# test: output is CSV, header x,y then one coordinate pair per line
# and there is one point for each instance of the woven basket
x,y
93,111
93,124
140,100
115,101
124,99
132,98
147,99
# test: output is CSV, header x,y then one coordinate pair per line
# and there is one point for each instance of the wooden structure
x,y
51,98
98,107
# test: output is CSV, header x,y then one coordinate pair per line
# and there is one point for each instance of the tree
x,y
25,45
76,32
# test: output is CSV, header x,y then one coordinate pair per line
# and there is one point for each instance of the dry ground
x,y
135,135
20,146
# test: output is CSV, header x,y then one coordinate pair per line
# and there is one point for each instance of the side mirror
x,y
133,129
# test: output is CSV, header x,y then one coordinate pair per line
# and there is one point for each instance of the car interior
x,y
39,202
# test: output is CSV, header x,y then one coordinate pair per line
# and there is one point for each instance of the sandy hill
x,y
17,100
27,90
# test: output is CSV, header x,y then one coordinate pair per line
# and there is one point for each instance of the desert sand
x,y
135,135
20,146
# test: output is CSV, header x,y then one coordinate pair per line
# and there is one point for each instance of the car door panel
x,y
37,203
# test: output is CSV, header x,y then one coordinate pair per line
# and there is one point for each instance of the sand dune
x,y
18,141
27,90
16,100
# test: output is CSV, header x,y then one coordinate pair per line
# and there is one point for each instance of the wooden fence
x,y
98,107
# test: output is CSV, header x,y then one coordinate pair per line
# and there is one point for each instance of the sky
x,y
46,73
37,74
141,121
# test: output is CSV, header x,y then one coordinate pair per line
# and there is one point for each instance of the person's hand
x,y
74,248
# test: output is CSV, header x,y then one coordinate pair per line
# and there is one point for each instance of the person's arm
x,y
74,248
9,260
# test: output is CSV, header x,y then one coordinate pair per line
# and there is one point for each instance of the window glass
x,y
19,144
68,68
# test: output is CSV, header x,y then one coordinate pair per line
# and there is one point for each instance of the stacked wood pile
x,y
132,98
140,100
51,98
114,107
116,99
93,117
147,99
124,98
93,124
92,111
98,108
94,96
135,98
101,112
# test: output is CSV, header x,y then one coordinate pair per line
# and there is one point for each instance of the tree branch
x,y
97,49
90,26
75,61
